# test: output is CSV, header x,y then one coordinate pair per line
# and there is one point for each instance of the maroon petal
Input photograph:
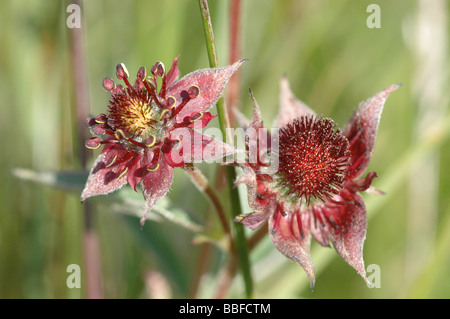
x,y
256,219
134,174
362,184
291,236
105,178
210,82
197,120
172,75
361,130
319,229
344,224
197,147
290,107
258,138
155,184
263,204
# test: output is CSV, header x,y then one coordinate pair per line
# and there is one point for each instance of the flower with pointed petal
x,y
316,189
148,131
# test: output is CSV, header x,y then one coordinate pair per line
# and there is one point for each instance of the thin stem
x,y
200,268
226,278
235,52
230,270
203,185
90,240
238,230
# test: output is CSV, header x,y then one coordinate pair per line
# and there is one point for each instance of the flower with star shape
x,y
148,131
315,192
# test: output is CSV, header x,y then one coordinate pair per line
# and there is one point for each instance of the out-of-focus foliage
x,y
333,61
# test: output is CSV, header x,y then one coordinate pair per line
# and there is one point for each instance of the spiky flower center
x,y
133,113
313,159
140,117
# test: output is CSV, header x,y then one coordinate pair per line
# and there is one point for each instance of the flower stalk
x,y
203,185
238,231
91,248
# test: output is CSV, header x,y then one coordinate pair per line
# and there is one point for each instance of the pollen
x,y
132,112
313,159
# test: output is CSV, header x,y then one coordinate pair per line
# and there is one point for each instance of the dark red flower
x,y
315,190
148,131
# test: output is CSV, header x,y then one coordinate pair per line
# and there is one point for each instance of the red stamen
x,y
313,159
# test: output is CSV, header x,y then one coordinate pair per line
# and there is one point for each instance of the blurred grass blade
x,y
153,239
238,229
125,202
176,216
67,180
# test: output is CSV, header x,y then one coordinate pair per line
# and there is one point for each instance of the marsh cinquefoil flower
x,y
316,189
147,132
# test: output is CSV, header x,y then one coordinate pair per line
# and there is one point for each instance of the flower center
x,y
132,112
313,159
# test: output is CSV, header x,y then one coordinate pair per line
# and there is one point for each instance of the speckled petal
x,y
344,225
156,184
290,107
210,82
103,177
290,234
361,130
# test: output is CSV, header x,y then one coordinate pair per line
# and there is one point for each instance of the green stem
x,y
237,229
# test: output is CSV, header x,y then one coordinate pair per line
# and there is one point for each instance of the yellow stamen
x,y
153,169
163,113
152,143
123,173
174,101
112,162
118,133
198,118
178,145
92,147
198,91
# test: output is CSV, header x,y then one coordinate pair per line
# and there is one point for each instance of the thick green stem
x,y
237,229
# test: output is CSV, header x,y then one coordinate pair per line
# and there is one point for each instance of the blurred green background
x,y
333,61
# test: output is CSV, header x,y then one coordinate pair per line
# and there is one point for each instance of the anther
x,y
122,73
142,74
196,116
158,69
150,142
153,167
120,134
101,118
93,143
98,129
123,173
170,102
90,121
163,113
175,143
193,91
112,161
108,84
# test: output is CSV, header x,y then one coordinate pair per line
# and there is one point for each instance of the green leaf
x,y
126,201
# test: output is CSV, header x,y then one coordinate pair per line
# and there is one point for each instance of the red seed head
x,y
313,158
